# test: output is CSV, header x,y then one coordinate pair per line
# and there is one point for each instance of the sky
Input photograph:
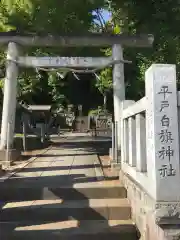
x,y
106,15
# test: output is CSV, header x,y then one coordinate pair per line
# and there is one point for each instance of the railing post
x,y
132,141
116,142
126,141
125,133
141,164
113,142
162,140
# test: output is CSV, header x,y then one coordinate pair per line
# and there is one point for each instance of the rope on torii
x,y
70,69
85,70
74,71
65,70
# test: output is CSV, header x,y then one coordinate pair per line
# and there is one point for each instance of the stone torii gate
x,y
14,60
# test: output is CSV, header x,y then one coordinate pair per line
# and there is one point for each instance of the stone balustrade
x,y
150,166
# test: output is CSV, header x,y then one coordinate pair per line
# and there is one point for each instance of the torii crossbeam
x,y
91,40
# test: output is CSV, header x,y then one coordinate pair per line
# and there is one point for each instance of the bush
x,y
97,111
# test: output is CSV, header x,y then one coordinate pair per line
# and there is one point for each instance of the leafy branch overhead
x,y
104,82
160,18
42,17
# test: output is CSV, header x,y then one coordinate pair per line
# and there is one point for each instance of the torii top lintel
x,y
92,40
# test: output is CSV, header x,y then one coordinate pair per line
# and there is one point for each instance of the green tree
x,y
45,17
104,82
160,18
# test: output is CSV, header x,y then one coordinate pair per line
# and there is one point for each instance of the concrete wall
x,y
143,213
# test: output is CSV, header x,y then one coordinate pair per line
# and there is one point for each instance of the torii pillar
x,y
9,102
118,88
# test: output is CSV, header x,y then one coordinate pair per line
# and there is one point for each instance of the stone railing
x,y
133,137
150,164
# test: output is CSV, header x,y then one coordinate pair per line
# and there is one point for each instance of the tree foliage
x,y
45,17
49,16
104,82
160,18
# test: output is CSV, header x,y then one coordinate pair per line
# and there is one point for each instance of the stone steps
x,y
68,230
85,211
75,206
45,210
94,190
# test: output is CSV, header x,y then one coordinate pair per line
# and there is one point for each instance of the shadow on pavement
x,y
43,188
28,204
37,169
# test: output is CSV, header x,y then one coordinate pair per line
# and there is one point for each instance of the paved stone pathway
x,y
62,194
64,166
